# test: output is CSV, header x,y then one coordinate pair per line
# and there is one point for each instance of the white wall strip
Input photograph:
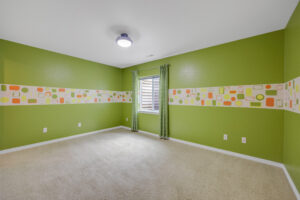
x,y
292,95
271,96
34,95
249,96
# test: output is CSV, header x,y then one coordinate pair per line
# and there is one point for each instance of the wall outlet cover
x,y
244,140
45,130
126,119
79,124
225,137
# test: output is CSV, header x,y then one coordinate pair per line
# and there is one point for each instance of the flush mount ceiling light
x,y
124,41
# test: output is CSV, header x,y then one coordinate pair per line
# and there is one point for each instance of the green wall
x,y
24,124
291,147
1,112
24,65
255,60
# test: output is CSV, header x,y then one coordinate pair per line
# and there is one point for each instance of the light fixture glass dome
x,y
124,41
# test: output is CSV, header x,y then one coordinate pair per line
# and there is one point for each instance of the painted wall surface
x,y
23,124
1,112
255,60
291,147
1,66
1,125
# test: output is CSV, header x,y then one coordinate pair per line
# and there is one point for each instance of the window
x,y
149,94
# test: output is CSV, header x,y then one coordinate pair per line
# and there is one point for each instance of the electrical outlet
x,y
126,119
244,140
79,124
45,130
225,137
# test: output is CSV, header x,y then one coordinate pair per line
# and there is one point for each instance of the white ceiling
x,y
88,28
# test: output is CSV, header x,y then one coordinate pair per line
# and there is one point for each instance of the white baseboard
x,y
231,153
292,184
255,159
55,140
125,127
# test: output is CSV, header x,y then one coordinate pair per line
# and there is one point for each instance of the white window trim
x,y
147,111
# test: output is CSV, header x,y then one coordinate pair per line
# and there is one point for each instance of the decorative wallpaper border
x,y
271,96
292,95
11,94
257,96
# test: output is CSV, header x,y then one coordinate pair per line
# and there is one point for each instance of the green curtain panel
x,y
135,88
163,97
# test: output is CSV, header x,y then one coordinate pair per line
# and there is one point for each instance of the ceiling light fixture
x,y
124,41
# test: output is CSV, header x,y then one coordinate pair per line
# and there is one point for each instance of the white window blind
x,y
149,94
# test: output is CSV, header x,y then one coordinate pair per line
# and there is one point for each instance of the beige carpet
x,y
120,165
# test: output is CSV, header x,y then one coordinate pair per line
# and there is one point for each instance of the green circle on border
x,y
260,97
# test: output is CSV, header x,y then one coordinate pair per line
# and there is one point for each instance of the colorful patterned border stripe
x,y
257,96
292,95
33,95
273,96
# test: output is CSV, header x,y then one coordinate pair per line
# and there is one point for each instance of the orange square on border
x,y
16,101
202,102
227,103
268,86
14,87
40,89
270,102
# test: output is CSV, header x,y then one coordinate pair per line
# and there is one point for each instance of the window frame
x,y
140,93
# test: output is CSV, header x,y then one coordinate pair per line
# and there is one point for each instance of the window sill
x,y
148,112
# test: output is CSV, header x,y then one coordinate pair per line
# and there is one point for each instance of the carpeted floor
x,y
118,165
